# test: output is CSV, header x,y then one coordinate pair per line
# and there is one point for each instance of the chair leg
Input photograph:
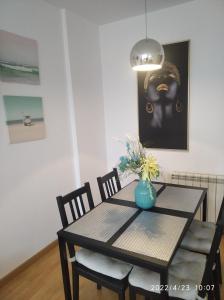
x,y
132,294
121,295
219,267
210,295
98,285
75,283
216,284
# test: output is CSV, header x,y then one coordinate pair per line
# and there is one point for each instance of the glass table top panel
x,y
102,222
179,198
152,234
128,192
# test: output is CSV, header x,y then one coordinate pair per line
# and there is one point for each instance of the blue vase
x,y
145,194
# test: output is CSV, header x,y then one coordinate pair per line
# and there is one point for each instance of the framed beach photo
x,y
24,118
163,101
18,59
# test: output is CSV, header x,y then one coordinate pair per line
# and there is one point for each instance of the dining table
x,y
147,238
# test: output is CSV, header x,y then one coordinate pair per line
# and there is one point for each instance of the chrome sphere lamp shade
x,y
147,54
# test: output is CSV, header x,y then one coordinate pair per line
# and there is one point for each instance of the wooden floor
x,y
42,281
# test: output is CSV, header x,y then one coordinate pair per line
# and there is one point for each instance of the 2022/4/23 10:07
x,y
181,287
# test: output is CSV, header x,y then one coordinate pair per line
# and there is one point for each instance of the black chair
x,y
109,184
85,262
185,263
200,236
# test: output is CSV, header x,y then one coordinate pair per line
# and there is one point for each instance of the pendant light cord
x,y
146,21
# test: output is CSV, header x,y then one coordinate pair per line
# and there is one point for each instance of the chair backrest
x,y
109,184
215,244
75,203
220,211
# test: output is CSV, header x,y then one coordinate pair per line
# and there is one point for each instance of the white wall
x,y
85,64
202,23
32,174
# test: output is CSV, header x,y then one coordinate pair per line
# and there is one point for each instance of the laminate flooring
x,y
42,281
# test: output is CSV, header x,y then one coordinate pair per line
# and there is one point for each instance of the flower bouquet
x,y
136,161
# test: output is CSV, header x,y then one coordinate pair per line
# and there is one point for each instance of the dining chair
x,y
199,238
190,272
109,184
105,271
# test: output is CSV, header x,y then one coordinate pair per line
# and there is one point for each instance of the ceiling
x,y
107,11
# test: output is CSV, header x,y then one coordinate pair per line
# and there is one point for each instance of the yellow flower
x,y
149,168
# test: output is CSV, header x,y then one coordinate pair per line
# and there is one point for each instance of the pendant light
x,y
147,54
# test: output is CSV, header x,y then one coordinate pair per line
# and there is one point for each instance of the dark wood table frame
x,y
106,248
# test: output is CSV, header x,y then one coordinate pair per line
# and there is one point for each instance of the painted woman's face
x,y
161,93
162,85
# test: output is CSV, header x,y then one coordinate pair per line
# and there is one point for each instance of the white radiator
x,y
215,185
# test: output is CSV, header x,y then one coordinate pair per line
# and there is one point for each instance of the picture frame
x,y
163,100
19,62
24,118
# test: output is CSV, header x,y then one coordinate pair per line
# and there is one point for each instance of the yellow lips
x,y
162,87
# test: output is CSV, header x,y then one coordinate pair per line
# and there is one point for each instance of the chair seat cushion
x,y
203,229
199,237
185,273
103,264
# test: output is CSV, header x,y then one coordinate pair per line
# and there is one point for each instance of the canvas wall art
x,y
163,101
18,59
24,118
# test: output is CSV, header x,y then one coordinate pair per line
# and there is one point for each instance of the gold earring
x,y
149,107
179,106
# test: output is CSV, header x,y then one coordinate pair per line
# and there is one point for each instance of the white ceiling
x,y
107,11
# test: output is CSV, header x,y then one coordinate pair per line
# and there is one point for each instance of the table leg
x,y
164,284
204,215
64,268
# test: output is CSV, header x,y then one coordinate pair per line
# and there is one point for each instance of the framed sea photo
x,y
18,59
163,101
24,118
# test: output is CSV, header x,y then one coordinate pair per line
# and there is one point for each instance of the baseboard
x,y
27,263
